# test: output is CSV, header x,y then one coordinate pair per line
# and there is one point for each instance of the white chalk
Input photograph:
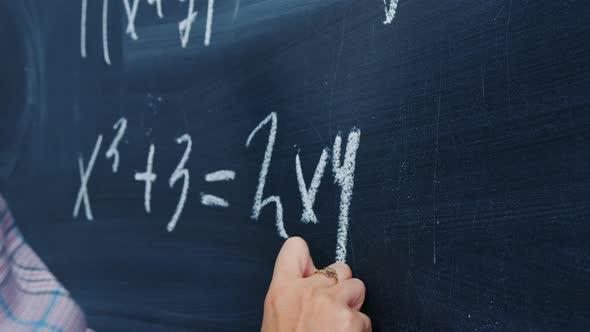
x,y
211,200
209,22
222,175
185,25
158,4
131,11
84,176
344,177
308,195
236,9
149,177
278,215
105,32
259,203
180,172
113,151
390,11
83,28
267,158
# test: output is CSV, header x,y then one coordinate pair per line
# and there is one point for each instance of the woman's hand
x,y
299,300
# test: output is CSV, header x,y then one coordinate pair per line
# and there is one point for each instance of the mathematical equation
x,y
184,25
343,169
131,10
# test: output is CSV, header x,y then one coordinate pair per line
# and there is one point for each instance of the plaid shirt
x,y
31,298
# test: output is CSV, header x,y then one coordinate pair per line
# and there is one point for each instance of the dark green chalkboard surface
x,y
156,154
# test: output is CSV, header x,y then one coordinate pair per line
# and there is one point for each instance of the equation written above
x,y
185,23
343,163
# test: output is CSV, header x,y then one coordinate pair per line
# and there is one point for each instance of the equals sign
x,y
217,176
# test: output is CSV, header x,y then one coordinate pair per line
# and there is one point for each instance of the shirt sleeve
x,y
31,298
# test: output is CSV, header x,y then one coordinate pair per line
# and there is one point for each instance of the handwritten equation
x,y
131,11
343,170
184,25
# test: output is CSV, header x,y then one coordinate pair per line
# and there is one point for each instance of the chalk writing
x,y
259,203
343,169
185,25
308,195
84,176
158,4
217,176
390,11
113,151
211,200
344,177
148,177
222,175
105,32
209,22
131,12
83,16
180,172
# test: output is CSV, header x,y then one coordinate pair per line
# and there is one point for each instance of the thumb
x,y
294,260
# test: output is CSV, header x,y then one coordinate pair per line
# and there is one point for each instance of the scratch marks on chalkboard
x,y
338,58
84,176
506,42
344,177
434,172
259,203
390,11
148,177
308,195
316,131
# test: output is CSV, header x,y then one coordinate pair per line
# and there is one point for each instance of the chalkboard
x,y
156,154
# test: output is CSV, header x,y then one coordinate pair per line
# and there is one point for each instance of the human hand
x,y
300,300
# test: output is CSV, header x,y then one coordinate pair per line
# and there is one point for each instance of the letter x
x,y
84,176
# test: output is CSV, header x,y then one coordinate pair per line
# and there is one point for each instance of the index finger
x,y
294,260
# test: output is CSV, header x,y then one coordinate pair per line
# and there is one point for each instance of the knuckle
x,y
359,285
365,321
270,301
344,267
343,270
322,304
347,321
323,300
